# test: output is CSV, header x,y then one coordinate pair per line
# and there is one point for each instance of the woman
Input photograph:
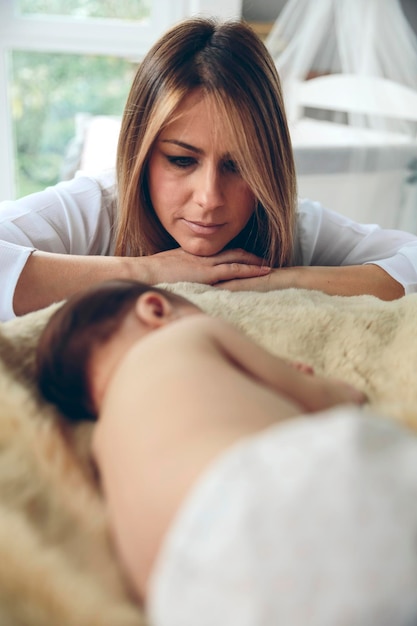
x,y
206,193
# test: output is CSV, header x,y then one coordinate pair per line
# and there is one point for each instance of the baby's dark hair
x,y
85,321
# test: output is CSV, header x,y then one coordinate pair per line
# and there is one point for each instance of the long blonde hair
x,y
230,64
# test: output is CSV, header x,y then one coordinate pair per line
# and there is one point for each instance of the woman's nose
x,y
208,191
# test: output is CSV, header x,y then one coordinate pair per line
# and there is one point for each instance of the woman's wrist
x,y
137,268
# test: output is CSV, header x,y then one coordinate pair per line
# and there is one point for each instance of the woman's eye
x,y
231,166
181,161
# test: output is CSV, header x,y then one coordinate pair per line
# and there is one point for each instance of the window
x,y
63,60
123,10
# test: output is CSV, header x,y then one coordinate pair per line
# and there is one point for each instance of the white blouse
x,y
78,217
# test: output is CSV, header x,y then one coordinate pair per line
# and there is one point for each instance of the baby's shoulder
x,y
197,323
198,329
187,338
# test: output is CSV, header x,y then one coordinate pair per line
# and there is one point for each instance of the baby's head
x,y
87,321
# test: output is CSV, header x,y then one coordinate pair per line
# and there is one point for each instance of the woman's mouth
x,y
202,228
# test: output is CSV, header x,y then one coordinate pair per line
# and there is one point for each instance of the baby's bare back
x,y
185,380
175,403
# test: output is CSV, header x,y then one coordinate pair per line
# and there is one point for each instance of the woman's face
x,y
195,188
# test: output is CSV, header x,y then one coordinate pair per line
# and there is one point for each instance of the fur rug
x,y
57,562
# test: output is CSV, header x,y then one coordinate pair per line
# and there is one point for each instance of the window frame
x,y
97,36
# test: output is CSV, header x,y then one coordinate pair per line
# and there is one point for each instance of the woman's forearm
x,y
349,280
49,277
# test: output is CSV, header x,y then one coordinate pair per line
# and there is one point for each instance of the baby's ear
x,y
153,309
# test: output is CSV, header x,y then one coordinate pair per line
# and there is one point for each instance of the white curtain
x,y
361,163
350,36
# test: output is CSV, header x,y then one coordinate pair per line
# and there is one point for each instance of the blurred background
x,y
268,10
66,68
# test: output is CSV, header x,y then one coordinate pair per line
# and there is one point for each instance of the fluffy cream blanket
x,y
57,564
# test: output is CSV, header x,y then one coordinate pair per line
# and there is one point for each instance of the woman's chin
x,y
202,249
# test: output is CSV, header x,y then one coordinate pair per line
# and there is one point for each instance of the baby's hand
x,y
302,367
339,392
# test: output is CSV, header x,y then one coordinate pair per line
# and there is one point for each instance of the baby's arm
x,y
313,393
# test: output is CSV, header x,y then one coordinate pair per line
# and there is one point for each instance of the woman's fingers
x,y
237,272
256,282
237,256
276,278
177,265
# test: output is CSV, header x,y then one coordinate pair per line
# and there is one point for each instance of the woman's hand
x,y
49,277
176,265
282,278
349,280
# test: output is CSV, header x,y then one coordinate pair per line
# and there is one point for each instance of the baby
x,y
173,390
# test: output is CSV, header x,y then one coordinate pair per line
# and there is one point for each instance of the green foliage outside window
x,y
48,90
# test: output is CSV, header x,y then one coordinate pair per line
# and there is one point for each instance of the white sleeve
x,y
73,217
330,239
